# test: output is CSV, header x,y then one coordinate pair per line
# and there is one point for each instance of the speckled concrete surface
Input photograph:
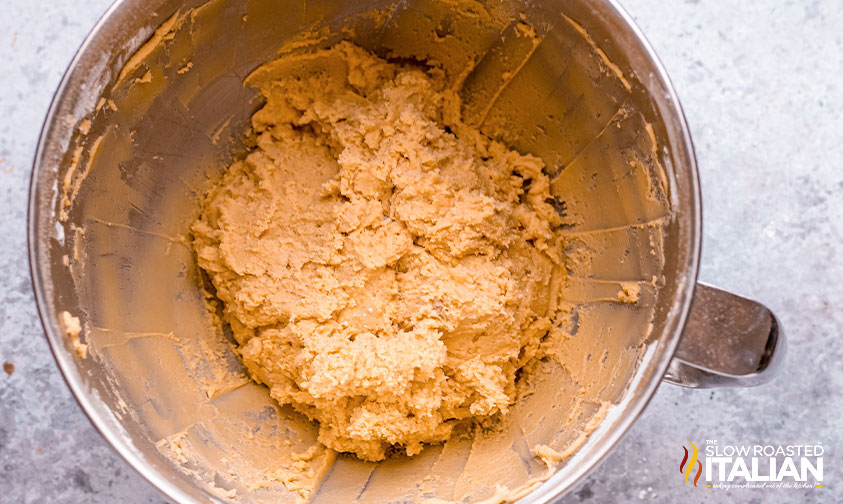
x,y
760,82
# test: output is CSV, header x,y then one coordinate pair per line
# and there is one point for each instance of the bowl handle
x,y
729,341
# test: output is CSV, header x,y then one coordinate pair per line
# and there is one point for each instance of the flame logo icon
x,y
687,469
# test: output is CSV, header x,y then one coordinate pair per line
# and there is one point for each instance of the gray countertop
x,y
760,83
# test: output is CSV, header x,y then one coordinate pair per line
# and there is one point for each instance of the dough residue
x,y
72,329
386,270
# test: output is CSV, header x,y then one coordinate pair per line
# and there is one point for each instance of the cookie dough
x,y
385,269
72,329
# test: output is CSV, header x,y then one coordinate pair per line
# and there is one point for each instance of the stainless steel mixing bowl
x,y
137,129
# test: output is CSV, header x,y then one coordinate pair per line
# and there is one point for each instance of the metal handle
x,y
729,341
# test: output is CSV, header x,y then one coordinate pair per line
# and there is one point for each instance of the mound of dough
x,y
385,269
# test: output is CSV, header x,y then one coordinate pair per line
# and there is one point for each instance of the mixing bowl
x,y
153,108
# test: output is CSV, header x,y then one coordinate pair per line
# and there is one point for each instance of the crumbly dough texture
x,y
385,269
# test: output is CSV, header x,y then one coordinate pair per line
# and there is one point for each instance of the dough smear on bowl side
x,y
385,269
